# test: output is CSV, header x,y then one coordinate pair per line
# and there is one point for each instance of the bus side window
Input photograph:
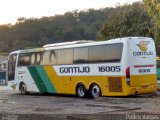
x,y
46,58
96,54
11,66
65,56
38,58
35,58
32,59
24,59
53,57
113,52
80,55
49,57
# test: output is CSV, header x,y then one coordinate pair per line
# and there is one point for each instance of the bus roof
x,y
79,43
68,43
117,40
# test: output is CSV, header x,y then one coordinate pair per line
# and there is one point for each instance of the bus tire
x,y
23,89
95,91
81,90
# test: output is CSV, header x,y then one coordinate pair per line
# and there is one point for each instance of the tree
x,y
153,8
129,20
107,23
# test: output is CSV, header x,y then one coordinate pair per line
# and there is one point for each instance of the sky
x,y
10,10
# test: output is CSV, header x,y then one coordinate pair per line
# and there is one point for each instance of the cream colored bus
x,y
117,67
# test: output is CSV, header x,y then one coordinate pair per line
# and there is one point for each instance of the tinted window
x,y
24,59
93,54
50,57
113,52
36,58
33,58
65,56
99,53
81,55
96,54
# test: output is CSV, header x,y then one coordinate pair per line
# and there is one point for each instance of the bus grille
x,y
115,84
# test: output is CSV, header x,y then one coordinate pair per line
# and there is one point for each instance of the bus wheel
x,y
94,91
81,90
23,89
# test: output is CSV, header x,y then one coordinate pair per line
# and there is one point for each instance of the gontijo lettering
x,y
85,69
143,53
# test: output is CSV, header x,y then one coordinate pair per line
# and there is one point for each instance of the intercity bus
x,y
117,67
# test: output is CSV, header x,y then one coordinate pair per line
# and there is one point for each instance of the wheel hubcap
x,y
23,89
95,91
81,91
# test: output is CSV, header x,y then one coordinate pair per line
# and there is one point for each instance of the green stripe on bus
x,y
45,79
37,79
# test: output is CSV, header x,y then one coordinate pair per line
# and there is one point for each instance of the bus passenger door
x,y
11,71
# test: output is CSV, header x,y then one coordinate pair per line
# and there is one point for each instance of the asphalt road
x,y
15,106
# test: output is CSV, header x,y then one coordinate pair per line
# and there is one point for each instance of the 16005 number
x,y
109,69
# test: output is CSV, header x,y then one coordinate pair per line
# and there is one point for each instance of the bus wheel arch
x,y
23,88
81,90
95,90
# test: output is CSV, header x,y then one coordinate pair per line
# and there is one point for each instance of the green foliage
x,y
153,7
29,33
107,23
128,20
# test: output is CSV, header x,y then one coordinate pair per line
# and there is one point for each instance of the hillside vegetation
x,y
102,24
